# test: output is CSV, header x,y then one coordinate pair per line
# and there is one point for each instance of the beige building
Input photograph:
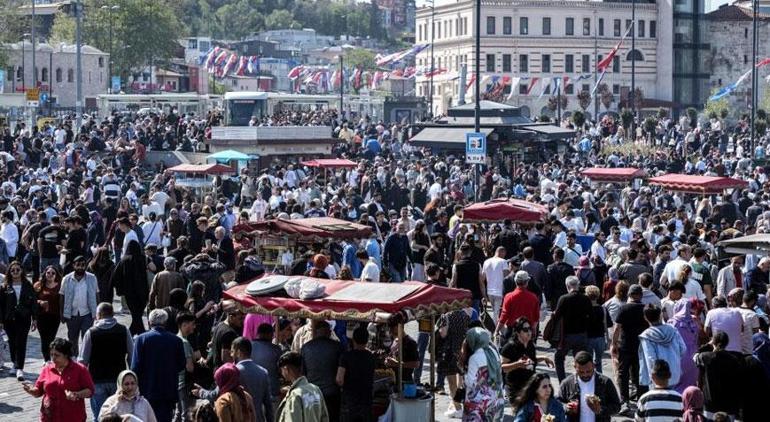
x,y
56,71
546,39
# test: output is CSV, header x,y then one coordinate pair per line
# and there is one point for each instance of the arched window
x,y
58,74
635,55
70,75
44,75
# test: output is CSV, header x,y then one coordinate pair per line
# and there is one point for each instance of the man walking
x,y
79,290
574,310
629,324
303,401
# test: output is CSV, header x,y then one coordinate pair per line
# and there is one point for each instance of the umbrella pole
x,y
400,360
432,368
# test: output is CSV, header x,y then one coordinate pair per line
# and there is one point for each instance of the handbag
x,y
5,350
166,241
486,320
552,333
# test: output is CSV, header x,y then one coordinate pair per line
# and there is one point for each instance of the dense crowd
x,y
622,276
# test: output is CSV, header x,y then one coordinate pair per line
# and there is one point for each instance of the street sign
x,y
475,148
115,84
44,97
33,94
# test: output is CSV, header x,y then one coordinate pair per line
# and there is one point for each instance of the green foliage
x,y
760,126
650,124
606,96
280,19
627,118
584,99
761,114
12,26
716,108
692,114
662,113
578,119
155,20
360,57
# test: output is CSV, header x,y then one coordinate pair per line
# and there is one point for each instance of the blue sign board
x,y
43,97
115,84
475,147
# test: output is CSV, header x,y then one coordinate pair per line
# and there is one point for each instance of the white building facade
x,y
544,39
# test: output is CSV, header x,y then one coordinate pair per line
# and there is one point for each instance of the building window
x,y
465,26
490,62
569,26
545,63
745,32
601,27
58,74
507,25
523,63
635,55
628,24
616,27
523,26
585,63
745,59
569,63
438,30
506,62
641,29
490,25
101,61
654,29
523,89
419,33
616,89
569,89
70,75
44,75
9,74
546,26
586,26
20,73
586,87
616,64
446,28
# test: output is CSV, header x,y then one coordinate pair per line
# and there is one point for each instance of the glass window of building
x,y
523,26
546,26
569,63
506,62
507,25
523,63
490,62
569,25
601,27
653,29
490,25
640,32
545,63
616,27
585,63
586,26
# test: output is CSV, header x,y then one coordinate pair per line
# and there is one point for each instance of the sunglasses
x,y
525,329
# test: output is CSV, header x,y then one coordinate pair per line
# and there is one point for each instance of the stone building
x,y
731,34
547,40
56,71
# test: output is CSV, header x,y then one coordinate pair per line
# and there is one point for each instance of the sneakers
x,y
453,413
20,375
626,410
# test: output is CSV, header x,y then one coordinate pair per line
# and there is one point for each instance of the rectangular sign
x,y
33,94
475,148
115,84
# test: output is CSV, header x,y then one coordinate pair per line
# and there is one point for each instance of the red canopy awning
x,y
516,210
326,227
203,169
697,184
617,174
329,163
425,299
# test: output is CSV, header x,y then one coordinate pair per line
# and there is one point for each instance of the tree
x,y
650,126
692,114
578,119
12,26
627,118
280,19
716,108
584,99
662,113
606,96
638,98
760,126
238,20
360,57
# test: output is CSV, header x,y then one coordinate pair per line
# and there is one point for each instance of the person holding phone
x,y
64,384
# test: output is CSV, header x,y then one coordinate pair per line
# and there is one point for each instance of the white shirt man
x,y
586,388
493,271
10,235
371,271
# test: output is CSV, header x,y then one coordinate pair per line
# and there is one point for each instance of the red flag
x,y
471,81
764,62
532,83
605,63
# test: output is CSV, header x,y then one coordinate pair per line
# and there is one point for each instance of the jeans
x,y
397,275
45,262
102,391
182,405
418,272
423,340
76,328
47,327
497,303
476,304
17,330
572,342
597,346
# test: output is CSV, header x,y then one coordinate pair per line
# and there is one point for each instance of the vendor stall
x,y
357,301
697,184
613,175
273,239
497,210
232,158
755,244
200,177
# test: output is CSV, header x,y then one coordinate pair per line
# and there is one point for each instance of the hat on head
x,y
635,289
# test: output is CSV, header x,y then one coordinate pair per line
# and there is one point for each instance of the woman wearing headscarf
x,y
689,329
95,232
102,267
483,378
130,281
127,400
693,401
234,404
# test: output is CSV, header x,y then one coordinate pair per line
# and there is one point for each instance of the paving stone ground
x,y
18,406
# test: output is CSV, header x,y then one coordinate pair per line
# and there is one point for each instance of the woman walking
x,y
49,316
130,281
689,329
537,400
102,267
483,378
18,310
127,400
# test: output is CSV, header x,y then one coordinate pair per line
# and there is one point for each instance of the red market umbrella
x,y
613,175
516,210
697,184
325,227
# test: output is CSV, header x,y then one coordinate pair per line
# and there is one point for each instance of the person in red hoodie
x,y
518,303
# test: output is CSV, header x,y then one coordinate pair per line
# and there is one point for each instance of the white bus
x,y
184,103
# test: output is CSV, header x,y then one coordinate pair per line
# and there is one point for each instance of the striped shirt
x,y
659,405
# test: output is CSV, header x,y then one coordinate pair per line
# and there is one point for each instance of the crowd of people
x,y
622,277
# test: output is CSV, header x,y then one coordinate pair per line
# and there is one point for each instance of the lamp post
x,y
432,35
477,94
754,81
632,96
109,62
24,61
79,66
34,50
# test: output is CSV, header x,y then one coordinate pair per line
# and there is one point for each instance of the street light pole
x,y
23,63
596,73
109,64
754,81
477,94
78,65
432,35
632,96
34,50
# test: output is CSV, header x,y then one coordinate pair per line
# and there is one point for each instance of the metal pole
x,y
50,82
596,74
477,94
342,90
432,35
23,65
34,50
400,360
432,367
78,66
558,103
109,62
633,69
754,84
